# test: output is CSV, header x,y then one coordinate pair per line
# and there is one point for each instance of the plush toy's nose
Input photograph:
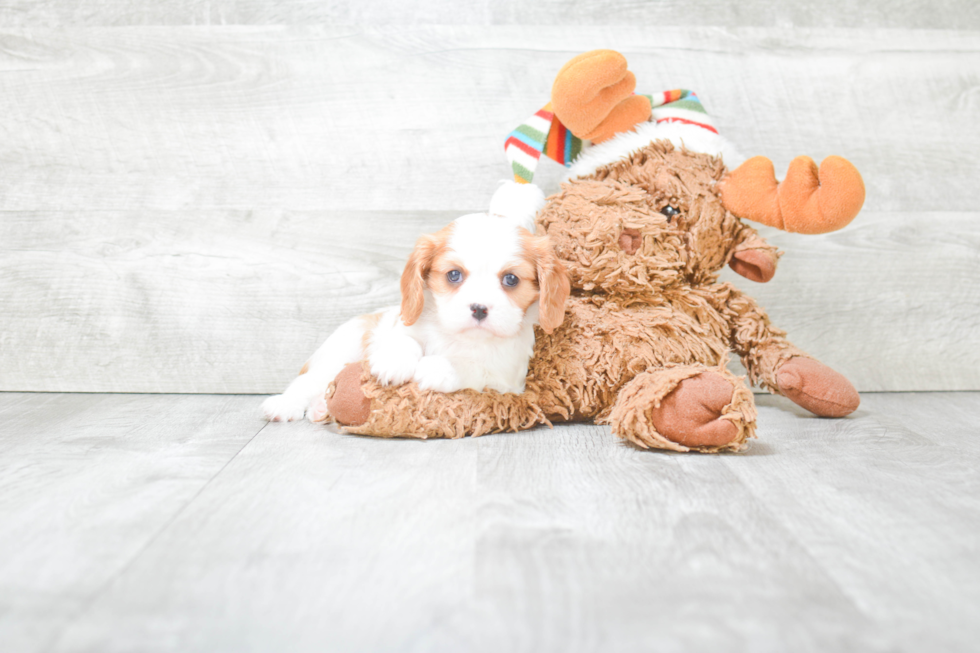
x,y
479,311
630,240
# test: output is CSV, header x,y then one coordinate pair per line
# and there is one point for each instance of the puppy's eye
x,y
454,276
510,280
670,212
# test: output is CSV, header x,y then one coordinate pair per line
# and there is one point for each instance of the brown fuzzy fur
x,y
636,324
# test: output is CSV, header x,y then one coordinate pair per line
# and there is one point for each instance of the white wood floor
x,y
185,523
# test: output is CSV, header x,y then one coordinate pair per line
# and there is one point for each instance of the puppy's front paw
x,y
436,373
283,408
395,364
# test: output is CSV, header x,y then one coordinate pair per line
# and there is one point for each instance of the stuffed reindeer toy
x,y
650,214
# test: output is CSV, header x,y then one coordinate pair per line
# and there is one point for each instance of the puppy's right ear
x,y
553,282
413,278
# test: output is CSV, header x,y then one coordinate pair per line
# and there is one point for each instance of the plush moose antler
x,y
808,201
593,94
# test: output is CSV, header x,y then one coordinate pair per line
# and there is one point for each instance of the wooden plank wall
x,y
194,194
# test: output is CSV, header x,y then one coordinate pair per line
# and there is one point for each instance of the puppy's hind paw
x,y
282,408
317,412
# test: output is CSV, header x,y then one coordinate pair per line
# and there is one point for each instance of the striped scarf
x,y
543,133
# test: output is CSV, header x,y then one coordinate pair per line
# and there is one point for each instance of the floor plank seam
x,y
765,502
146,545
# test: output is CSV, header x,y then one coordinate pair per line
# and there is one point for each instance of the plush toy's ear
x,y
519,202
553,283
413,277
754,264
754,258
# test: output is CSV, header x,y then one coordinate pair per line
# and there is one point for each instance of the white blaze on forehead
x,y
485,243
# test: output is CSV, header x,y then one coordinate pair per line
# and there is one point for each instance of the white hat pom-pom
x,y
519,202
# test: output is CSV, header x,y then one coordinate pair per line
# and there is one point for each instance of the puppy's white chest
x,y
499,363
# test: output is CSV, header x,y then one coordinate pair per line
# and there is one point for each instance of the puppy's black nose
x,y
479,311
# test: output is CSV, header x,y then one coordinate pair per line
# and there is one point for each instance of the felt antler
x,y
808,201
593,96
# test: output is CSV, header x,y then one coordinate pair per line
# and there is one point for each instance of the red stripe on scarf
x,y
522,146
555,149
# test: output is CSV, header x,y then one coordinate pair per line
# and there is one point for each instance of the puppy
x,y
471,295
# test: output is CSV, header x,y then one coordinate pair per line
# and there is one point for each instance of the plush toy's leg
x,y
684,408
774,362
362,406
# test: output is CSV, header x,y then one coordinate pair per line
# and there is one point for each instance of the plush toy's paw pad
x,y
283,408
691,414
317,412
818,388
348,405
436,373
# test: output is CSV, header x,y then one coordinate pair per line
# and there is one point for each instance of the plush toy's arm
x,y
753,257
762,347
778,365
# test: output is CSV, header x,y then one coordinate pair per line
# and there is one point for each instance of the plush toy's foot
x,y
816,387
593,96
348,405
685,408
691,414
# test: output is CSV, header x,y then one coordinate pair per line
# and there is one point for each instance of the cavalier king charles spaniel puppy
x,y
471,295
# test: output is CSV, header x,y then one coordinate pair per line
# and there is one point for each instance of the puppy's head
x,y
484,275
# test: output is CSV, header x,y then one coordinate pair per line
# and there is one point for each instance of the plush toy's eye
x,y
510,280
670,212
454,276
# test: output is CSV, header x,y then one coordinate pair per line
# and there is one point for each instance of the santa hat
x,y
677,116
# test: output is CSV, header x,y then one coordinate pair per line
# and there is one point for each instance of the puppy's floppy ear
x,y
416,270
553,283
413,278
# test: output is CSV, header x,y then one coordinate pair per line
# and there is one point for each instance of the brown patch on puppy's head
x,y
427,249
527,291
444,262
